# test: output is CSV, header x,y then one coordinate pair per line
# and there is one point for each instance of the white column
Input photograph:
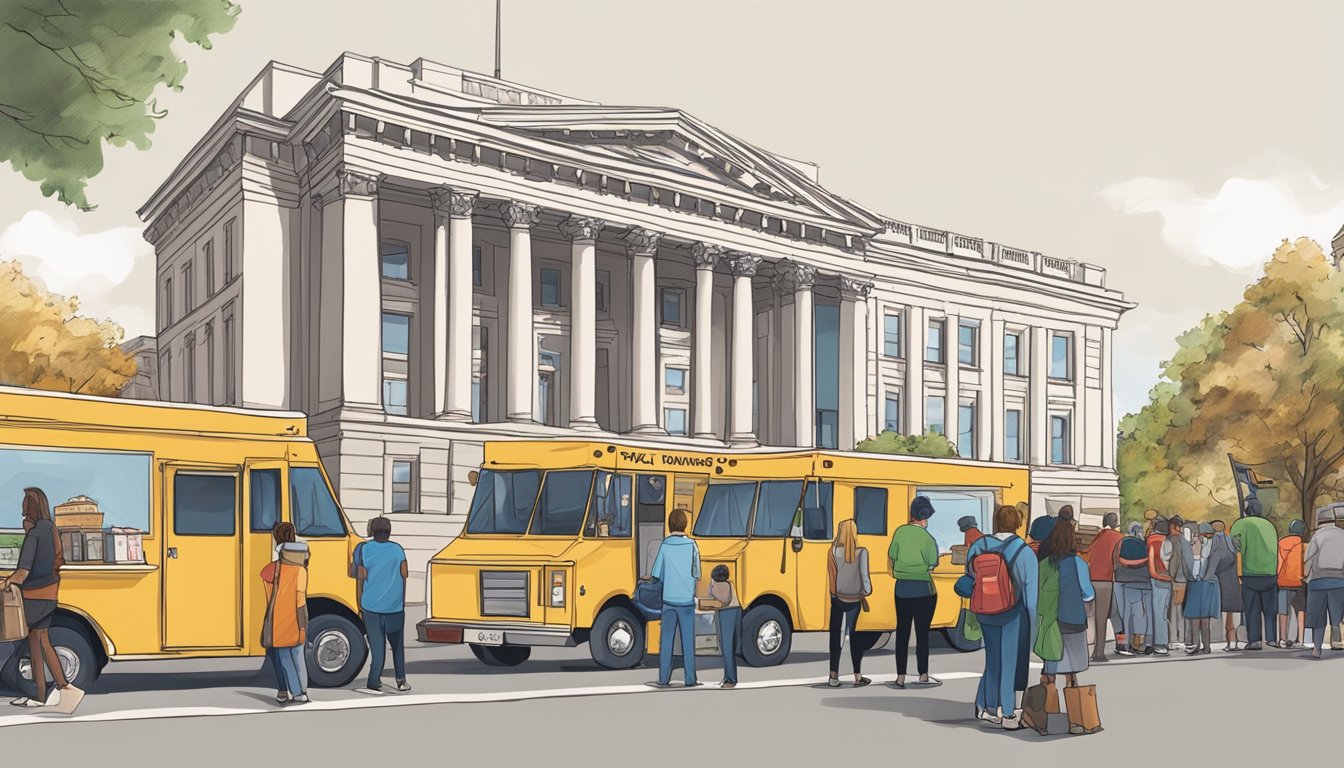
x,y
994,387
583,233
642,245
702,371
521,388
1107,403
854,425
1038,433
351,286
740,431
265,259
452,302
952,374
915,338
800,278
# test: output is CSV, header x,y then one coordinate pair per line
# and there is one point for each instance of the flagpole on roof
x,y
497,36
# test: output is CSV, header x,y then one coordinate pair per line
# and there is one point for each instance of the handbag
x,y
1040,710
1081,702
268,623
13,621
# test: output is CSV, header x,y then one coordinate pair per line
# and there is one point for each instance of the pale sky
x,y
1173,143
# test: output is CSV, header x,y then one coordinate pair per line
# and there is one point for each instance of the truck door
x,y
811,543
202,558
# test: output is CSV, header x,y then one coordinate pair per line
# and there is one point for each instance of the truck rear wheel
x,y
501,655
335,651
766,636
617,639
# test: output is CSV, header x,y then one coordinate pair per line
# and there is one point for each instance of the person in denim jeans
x,y
380,566
677,567
723,600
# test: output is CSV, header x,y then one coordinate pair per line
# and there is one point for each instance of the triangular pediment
x,y
679,145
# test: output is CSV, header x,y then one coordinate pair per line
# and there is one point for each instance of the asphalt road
x,y
560,707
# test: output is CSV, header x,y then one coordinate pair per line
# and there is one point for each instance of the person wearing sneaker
x,y
1135,587
38,575
1258,543
996,696
285,628
381,570
1220,563
1323,570
850,585
1292,592
1202,600
1100,559
1160,615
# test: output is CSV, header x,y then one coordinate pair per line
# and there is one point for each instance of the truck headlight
x,y
557,589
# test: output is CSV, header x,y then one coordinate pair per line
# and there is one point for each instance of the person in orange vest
x,y
285,628
1292,593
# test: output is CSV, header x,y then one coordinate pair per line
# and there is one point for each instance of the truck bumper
x,y
436,631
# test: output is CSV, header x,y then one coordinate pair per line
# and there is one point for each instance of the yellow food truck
x,y
560,533
165,513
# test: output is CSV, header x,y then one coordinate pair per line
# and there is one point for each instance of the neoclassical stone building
x,y
422,258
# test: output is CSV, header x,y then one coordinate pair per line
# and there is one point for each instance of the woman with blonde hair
x,y
850,586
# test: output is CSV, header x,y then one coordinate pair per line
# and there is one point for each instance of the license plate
x,y
485,636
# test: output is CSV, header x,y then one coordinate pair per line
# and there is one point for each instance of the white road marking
x,y
421,699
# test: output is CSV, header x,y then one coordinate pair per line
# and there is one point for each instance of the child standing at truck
x,y
723,599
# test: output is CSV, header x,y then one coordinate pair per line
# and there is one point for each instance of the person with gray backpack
x,y
850,586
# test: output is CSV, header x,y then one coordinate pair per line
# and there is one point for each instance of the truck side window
x,y
315,511
609,511
870,511
264,495
205,504
817,510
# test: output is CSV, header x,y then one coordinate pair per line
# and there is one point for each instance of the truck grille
x,y
504,593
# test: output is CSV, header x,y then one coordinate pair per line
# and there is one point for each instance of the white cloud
x,y
112,271
1242,224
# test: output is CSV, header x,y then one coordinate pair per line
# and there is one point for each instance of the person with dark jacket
x,y
1065,589
1101,562
1178,558
1202,597
1323,568
1135,595
1160,612
1258,543
1220,563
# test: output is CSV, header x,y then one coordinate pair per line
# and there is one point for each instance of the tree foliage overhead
x,y
45,344
1262,382
79,73
929,444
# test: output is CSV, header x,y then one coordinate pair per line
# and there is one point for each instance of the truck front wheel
x,y
335,651
766,636
617,639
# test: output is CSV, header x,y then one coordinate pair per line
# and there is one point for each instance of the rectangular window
x,y
550,287
1012,435
188,289
208,253
892,422
818,510
674,299
310,501
953,504
480,366
1059,440
675,381
777,507
1061,356
166,368
403,474
396,259
1012,353
205,504
610,513
563,502
394,397
210,363
189,371
935,414
968,343
933,347
603,280
229,392
674,421
477,275
828,428
167,301
503,501
264,499
725,509
891,335
396,334
548,368
229,266
870,511
966,430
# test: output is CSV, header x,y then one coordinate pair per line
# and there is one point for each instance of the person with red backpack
x,y
1160,577
1003,575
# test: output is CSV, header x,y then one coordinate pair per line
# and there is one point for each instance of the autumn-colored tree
x,y
81,73
1272,393
46,344
929,444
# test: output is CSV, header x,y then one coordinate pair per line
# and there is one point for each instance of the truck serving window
x,y
954,503
503,501
777,507
315,511
564,499
725,509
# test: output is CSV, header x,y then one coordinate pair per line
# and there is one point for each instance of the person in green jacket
x,y
1258,542
911,559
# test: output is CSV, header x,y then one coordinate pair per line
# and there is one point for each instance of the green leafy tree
x,y
79,73
929,444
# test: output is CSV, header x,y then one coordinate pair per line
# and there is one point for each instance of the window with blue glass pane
x,y
673,298
933,347
892,422
476,272
396,334
674,421
870,511
1011,355
550,287
394,396
935,414
674,381
891,336
967,343
818,510
1059,440
966,431
396,258
1012,435
1061,363
777,507
725,509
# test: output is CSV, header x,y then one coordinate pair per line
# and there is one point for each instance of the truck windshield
x,y
503,501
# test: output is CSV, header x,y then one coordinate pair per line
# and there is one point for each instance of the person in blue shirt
x,y
677,567
996,699
380,566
